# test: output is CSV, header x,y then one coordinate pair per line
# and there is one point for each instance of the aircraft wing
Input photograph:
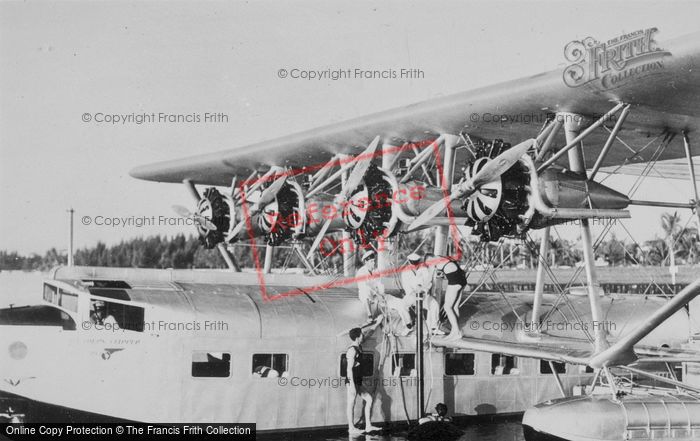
x,y
667,355
668,169
621,352
663,98
570,353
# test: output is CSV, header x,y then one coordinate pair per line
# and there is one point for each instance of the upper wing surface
x,y
665,98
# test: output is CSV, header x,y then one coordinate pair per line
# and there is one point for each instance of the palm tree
x,y
671,224
688,245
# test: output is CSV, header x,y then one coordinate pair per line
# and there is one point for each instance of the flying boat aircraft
x,y
624,106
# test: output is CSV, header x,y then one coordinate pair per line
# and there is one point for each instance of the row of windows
x,y
127,317
218,364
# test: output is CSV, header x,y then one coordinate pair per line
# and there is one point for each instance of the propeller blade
x,y
237,229
355,178
181,211
267,196
270,193
491,171
319,238
431,212
206,223
360,168
500,164
198,218
234,190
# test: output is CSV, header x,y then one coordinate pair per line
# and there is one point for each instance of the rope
x,y
403,394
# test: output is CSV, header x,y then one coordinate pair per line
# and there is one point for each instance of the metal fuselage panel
x,y
148,376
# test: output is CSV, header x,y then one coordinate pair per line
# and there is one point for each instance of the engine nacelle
x,y
278,221
503,206
220,210
370,212
561,188
522,199
282,218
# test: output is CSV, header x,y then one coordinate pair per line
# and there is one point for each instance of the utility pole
x,y
70,241
420,398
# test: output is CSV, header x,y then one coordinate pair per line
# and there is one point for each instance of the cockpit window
x,y
116,294
50,293
112,284
68,300
117,315
38,315
61,297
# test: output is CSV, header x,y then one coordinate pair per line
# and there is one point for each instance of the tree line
x,y
183,251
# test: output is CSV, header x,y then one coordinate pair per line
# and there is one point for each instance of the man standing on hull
x,y
353,381
456,282
371,292
417,281
370,289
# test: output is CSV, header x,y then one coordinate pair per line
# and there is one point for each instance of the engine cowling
x,y
369,212
283,218
501,207
277,222
219,209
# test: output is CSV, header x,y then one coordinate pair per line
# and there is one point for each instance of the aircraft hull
x,y
148,375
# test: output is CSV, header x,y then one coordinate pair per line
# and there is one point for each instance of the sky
x,y
65,60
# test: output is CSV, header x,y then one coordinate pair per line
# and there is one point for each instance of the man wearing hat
x,y
369,288
417,280
371,291
99,315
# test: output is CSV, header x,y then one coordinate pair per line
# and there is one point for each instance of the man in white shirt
x,y
99,316
369,288
371,292
417,280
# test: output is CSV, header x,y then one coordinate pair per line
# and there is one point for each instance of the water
x,y
20,288
499,429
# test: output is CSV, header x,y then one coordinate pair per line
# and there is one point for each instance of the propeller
x,y
489,172
234,190
268,195
196,217
362,163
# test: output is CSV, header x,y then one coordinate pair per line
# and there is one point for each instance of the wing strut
x,y
557,379
445,180
578,165
622,351
691,169
539,282
575,142
193,189
427,153
610,141
661,379
554,129
228,257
